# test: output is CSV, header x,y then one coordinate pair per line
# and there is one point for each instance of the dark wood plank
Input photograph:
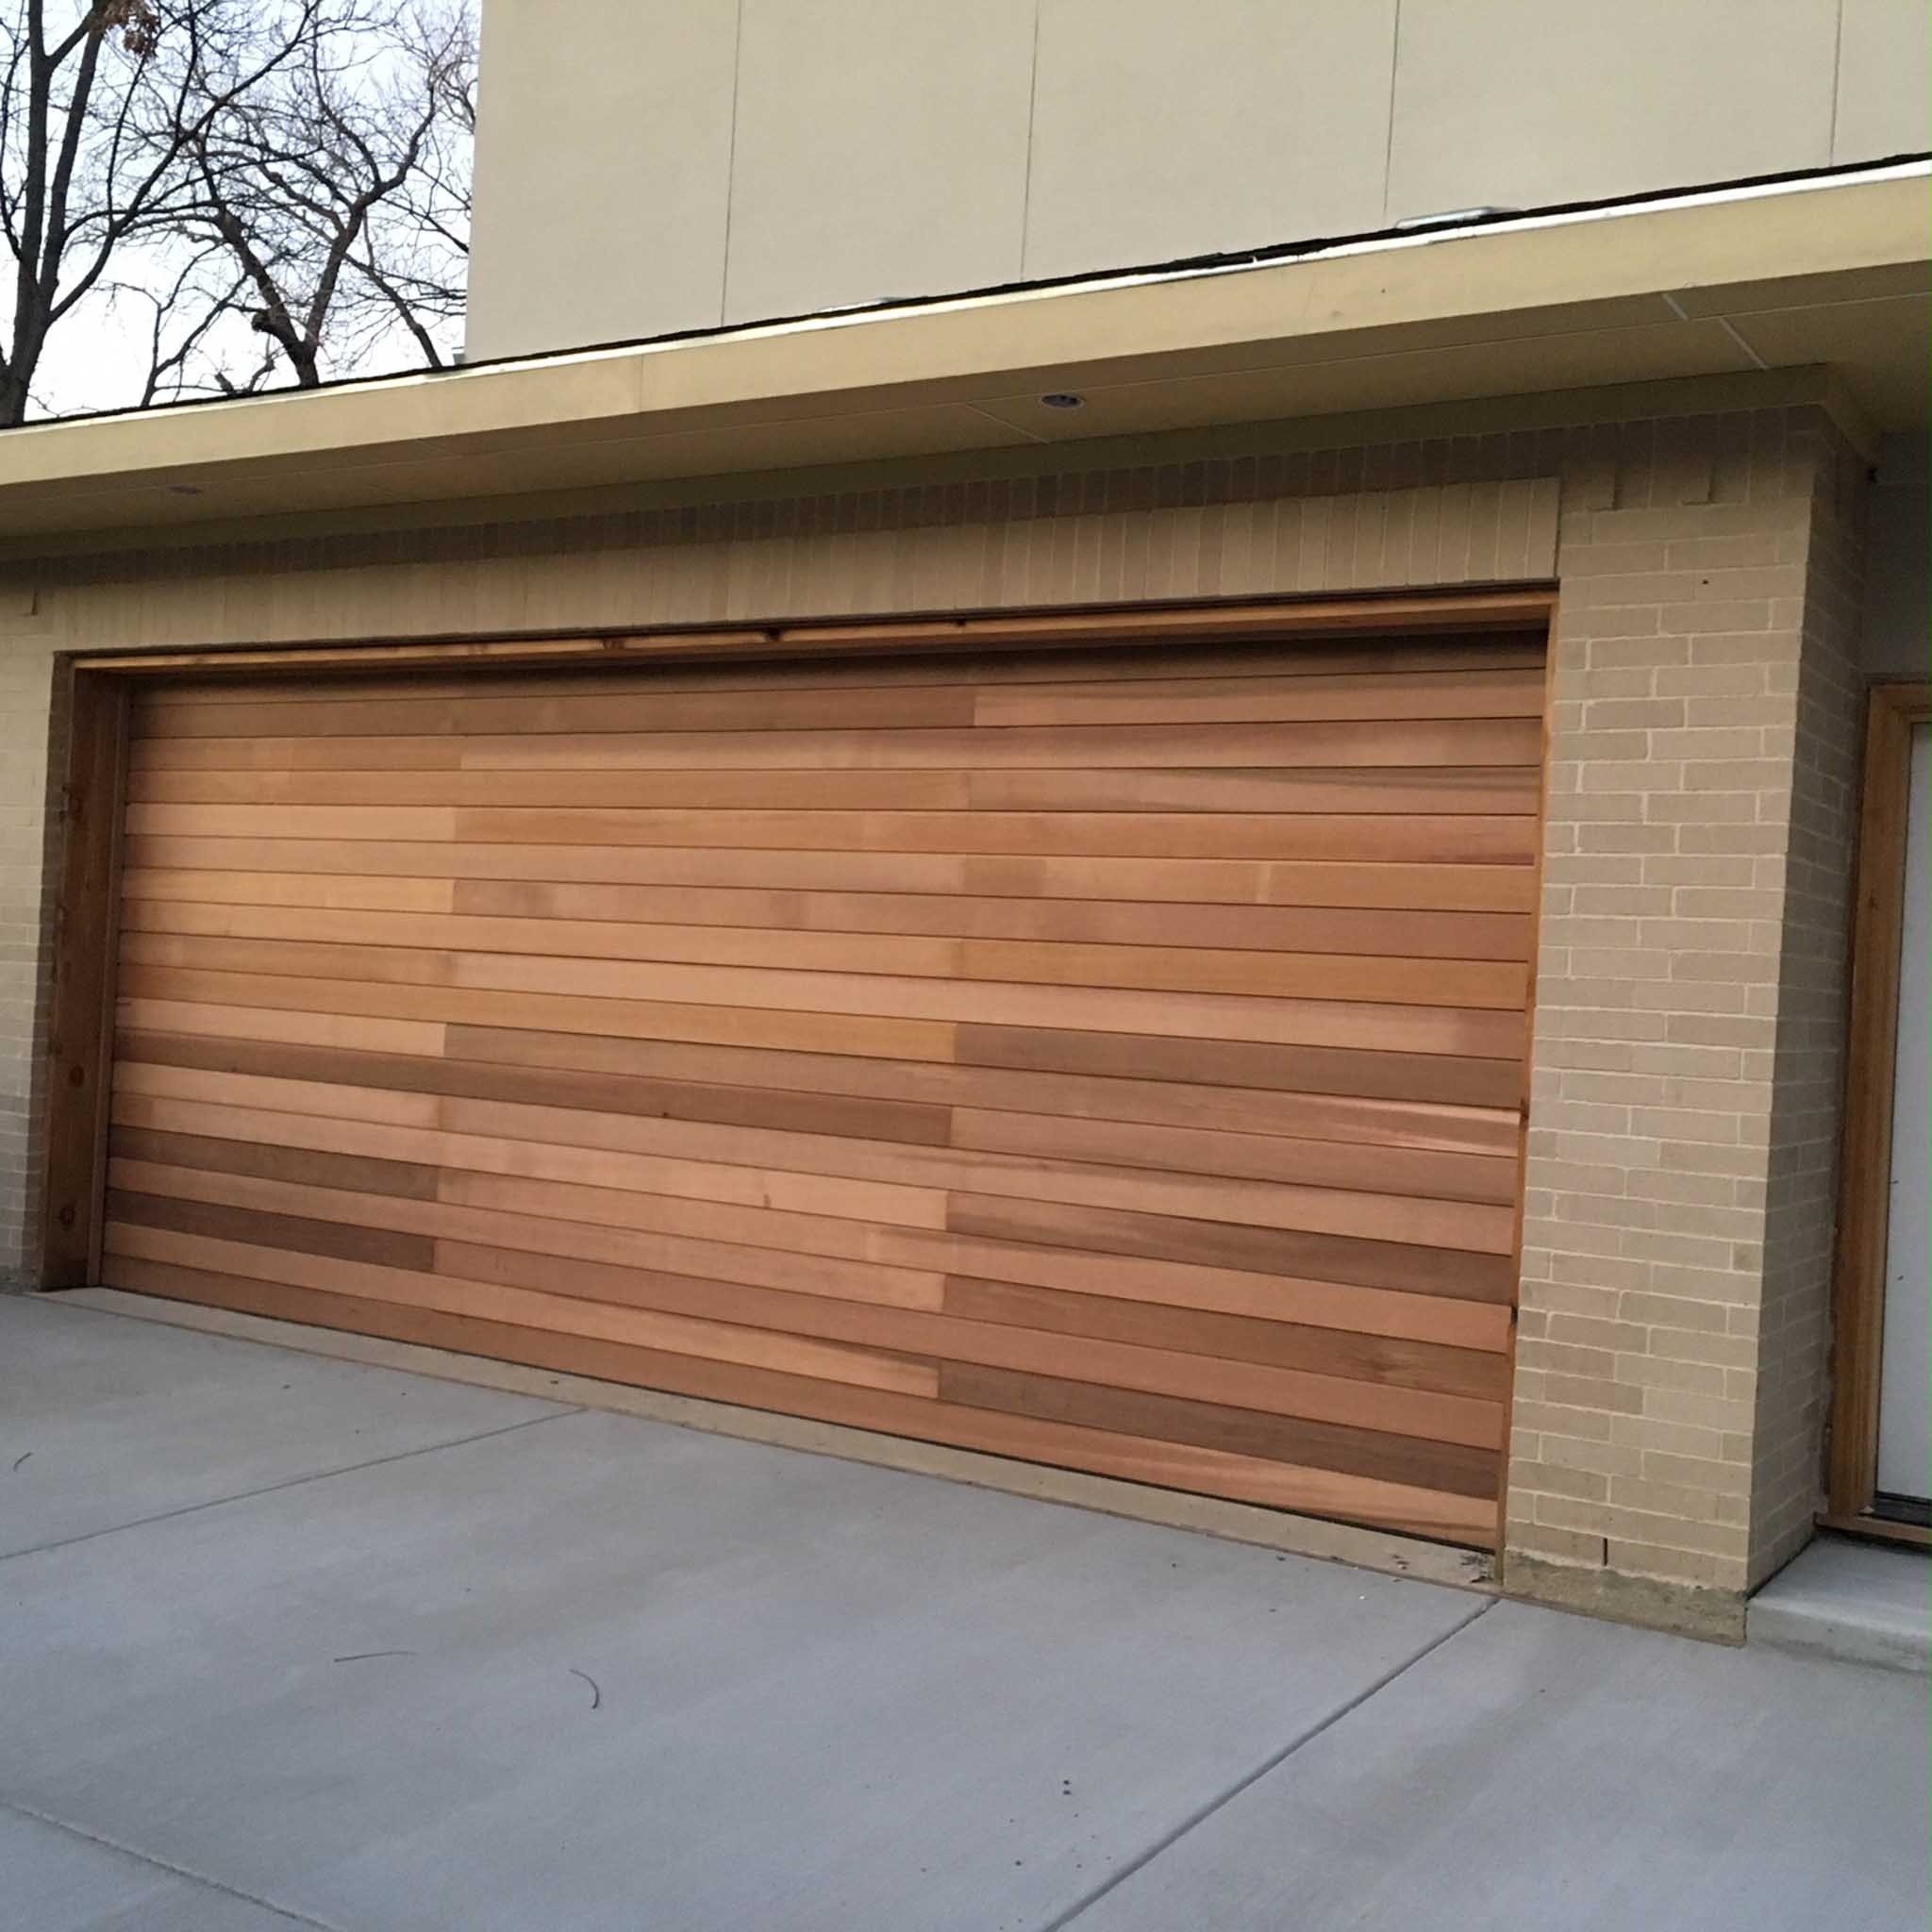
x,y
383,1247
310,1166
1235,1431
1455,1080
1367,1167
1263,1250
1189,1331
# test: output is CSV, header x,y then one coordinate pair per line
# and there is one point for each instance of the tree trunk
x,y
13,401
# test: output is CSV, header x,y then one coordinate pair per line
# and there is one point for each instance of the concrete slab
x,y
601,1671
1541,1770
105,1420
56,1882
1853,1601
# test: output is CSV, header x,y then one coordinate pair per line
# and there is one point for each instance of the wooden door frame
x,y
1865,1164
84,916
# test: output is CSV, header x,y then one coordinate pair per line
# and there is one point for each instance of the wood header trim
x,y
1504,609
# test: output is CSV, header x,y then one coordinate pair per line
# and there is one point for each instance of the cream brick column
x,y
1669,1365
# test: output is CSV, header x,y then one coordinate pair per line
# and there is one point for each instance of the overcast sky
x,y
96,358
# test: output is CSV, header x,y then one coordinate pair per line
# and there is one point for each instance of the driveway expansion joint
x,y
294,1482
173,1871
1166,1842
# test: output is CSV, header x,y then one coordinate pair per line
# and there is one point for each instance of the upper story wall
x,y
646,166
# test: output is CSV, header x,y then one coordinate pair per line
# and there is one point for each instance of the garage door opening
x,y
1111,1057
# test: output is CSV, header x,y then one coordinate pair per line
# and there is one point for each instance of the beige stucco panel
x,y
603,169
881,151
1526,103
1884,79
1162,131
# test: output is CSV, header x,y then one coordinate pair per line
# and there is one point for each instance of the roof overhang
x,y
1829,272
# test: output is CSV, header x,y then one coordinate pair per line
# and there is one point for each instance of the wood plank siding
x,y
1110,1058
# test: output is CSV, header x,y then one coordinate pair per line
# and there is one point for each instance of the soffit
x,y
1660,292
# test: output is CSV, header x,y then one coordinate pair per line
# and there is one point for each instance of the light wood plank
x,y
1285,882
1450,791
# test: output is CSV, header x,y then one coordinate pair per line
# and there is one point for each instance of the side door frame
x,y
1865,1166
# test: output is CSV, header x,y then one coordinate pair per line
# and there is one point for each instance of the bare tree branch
x,y
296,171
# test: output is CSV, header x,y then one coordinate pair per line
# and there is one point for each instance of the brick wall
x,y
1702,749
1690,1005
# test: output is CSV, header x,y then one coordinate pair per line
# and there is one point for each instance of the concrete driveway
x,y
286,1641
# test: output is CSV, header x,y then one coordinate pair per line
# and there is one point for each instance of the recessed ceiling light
x,y
1062,399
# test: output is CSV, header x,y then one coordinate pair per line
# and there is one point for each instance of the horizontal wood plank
x,y
1208,1426
385,746
156,898
424,950
1330,836
1452,791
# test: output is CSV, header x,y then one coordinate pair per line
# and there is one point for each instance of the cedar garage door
x,y
1110,1058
